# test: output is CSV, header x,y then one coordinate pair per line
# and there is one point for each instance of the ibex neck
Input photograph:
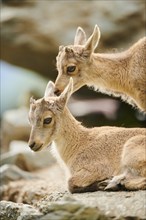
x,y
68,136
110,71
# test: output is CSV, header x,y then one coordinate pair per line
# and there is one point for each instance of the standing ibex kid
x,y
92,155
119,74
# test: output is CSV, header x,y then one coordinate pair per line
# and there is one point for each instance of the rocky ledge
x,y
47,198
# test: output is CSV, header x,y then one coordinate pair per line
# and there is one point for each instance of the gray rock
x,y
34,32
24,84
52,190
15,126
119,204
10,173
67,209
21,156
62,210
18,211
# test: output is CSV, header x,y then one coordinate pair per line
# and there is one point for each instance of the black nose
x,y
57,92
32,145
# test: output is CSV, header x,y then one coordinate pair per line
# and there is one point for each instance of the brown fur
x,y
120,74
92,155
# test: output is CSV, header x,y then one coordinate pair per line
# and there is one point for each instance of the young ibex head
x,y
72,60
44,116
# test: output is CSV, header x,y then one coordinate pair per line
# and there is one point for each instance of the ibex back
x,y
92,155
119,74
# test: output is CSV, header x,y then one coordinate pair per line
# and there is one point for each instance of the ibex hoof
x,y
113,186
101,185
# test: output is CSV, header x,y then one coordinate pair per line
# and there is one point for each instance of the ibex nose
x,y
57,92
31,145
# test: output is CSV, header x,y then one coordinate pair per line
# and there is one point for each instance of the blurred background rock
x,y
31,32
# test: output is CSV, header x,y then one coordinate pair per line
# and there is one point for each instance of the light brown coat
x,y
111,157
119,74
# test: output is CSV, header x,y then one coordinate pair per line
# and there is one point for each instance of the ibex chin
x,y
97,158
120,74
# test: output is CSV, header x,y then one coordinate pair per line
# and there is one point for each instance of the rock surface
x,y
10,173
17,86
34,30
21,156
15,126
13,211
63,210
51,188
31,32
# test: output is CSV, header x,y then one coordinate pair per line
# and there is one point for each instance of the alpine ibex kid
x,y
119,74
92,155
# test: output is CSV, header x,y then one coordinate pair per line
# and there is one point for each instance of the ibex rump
x,y
92,155
119,74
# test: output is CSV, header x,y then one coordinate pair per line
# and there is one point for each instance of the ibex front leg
x,y
84,181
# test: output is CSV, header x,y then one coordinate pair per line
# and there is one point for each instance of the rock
x,y
107,107
12,173
14,211
31,191
32,31
69,208
21,156
18,85
15,126
119,204
50,193
65,209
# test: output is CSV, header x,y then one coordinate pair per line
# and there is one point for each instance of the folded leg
x,y
133,166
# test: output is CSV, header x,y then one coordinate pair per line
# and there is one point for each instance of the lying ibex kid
x,y
119,74
92,155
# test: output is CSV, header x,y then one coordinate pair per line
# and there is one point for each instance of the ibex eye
x,y
47,120
71,69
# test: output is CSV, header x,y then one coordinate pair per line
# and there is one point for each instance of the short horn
x,y
32,100
68,50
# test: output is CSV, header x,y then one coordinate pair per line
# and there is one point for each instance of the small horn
x,y
69,50
61,47
32,100
43,101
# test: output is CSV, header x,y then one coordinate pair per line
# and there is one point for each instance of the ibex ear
x,y
80,37
65,95
93,40
49,89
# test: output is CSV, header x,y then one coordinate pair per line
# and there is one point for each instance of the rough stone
x,y
12,173
17,86
21,156
62,210
119,204
33,32
51,188
15,211
15,126
69,208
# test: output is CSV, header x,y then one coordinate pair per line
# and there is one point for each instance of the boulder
x,y
49,194
18,85
34,30
21,156
65,209
14,211
15,126
12,173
